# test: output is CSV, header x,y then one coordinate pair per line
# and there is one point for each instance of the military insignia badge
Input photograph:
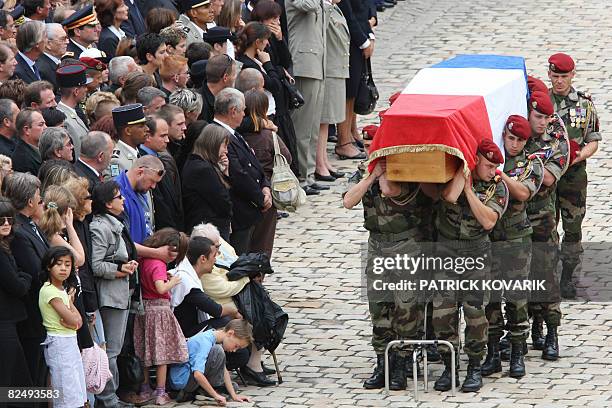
x,y
510,125
534,104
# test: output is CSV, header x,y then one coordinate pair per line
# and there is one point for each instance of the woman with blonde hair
x,y
57,221
6,167
100,104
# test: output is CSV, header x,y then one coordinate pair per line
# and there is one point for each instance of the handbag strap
x,y
368,68
279,159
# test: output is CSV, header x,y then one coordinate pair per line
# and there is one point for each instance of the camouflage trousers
x,y
395,314
511,261
544,261
446,304
571,208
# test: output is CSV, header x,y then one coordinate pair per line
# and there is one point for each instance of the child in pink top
x,y
158,338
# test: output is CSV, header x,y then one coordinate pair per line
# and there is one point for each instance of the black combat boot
x,y
504,347
473,378
517,364
568,290
377,380
433,355
397,375
492,363
551,345
537,333
444,382
410,367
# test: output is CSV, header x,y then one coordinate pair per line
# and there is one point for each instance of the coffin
x,y
437,122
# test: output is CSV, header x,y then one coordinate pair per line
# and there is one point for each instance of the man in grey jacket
x,y
306,24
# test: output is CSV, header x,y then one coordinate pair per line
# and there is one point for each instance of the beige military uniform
x,y
123,158
193,32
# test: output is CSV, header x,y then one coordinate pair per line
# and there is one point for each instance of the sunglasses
x,y
159,172
118,196
5,220
87,197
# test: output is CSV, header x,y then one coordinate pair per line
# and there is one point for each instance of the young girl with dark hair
x,y
62,320
158,338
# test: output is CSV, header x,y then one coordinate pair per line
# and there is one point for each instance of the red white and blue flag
x,y
453,105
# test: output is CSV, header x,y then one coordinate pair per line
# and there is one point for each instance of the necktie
x,y
35,229
35,69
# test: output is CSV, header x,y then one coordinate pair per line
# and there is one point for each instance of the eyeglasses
x,y
118,196
5,220
159,172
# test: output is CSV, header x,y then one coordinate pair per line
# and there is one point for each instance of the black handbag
x,y
367,94
295,99
131,371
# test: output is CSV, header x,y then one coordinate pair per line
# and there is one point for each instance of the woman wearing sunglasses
x,y
14,284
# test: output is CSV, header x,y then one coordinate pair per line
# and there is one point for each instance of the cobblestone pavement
x,y
326,354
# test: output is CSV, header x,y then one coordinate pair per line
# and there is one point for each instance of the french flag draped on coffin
x,y
446,110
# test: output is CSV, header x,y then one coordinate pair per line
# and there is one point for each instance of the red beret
x,y
93,63
574,149
369,131
393,97
490,151
561,63
541,102
519,127
534,84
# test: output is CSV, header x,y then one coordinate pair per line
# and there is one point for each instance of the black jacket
x,y
208,104
74,49
270,74
7,146
83,171
268,319
247,179
357,13
205,198
28,249
187,312
167,199
135,25
47,68
108,42
146,5
90,296
14,284
23,70
25,158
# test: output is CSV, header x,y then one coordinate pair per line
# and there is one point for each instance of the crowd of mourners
x,y
137,142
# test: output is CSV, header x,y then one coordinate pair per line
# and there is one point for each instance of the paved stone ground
x,y
326,354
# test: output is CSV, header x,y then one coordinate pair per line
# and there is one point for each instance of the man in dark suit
x,y
250,190
31,40
219,76
96,153
135,24
30,125
8,116
28,247
83,30
47,64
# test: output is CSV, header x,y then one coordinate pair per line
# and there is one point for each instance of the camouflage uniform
x,y
512,250
580,118
395,226
553,149
461,235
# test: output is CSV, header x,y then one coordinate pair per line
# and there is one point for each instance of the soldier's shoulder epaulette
x,y
585,95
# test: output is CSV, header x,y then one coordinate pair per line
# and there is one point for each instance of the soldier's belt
x,y
515,219
400,236
480,242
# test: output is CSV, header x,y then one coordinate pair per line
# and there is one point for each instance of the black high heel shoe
x,y
320,177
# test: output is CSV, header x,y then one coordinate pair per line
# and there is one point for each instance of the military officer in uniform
x,y
549,142
72,81
196,14
130,123
470,207
578,112
393,220
83,31
511,250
